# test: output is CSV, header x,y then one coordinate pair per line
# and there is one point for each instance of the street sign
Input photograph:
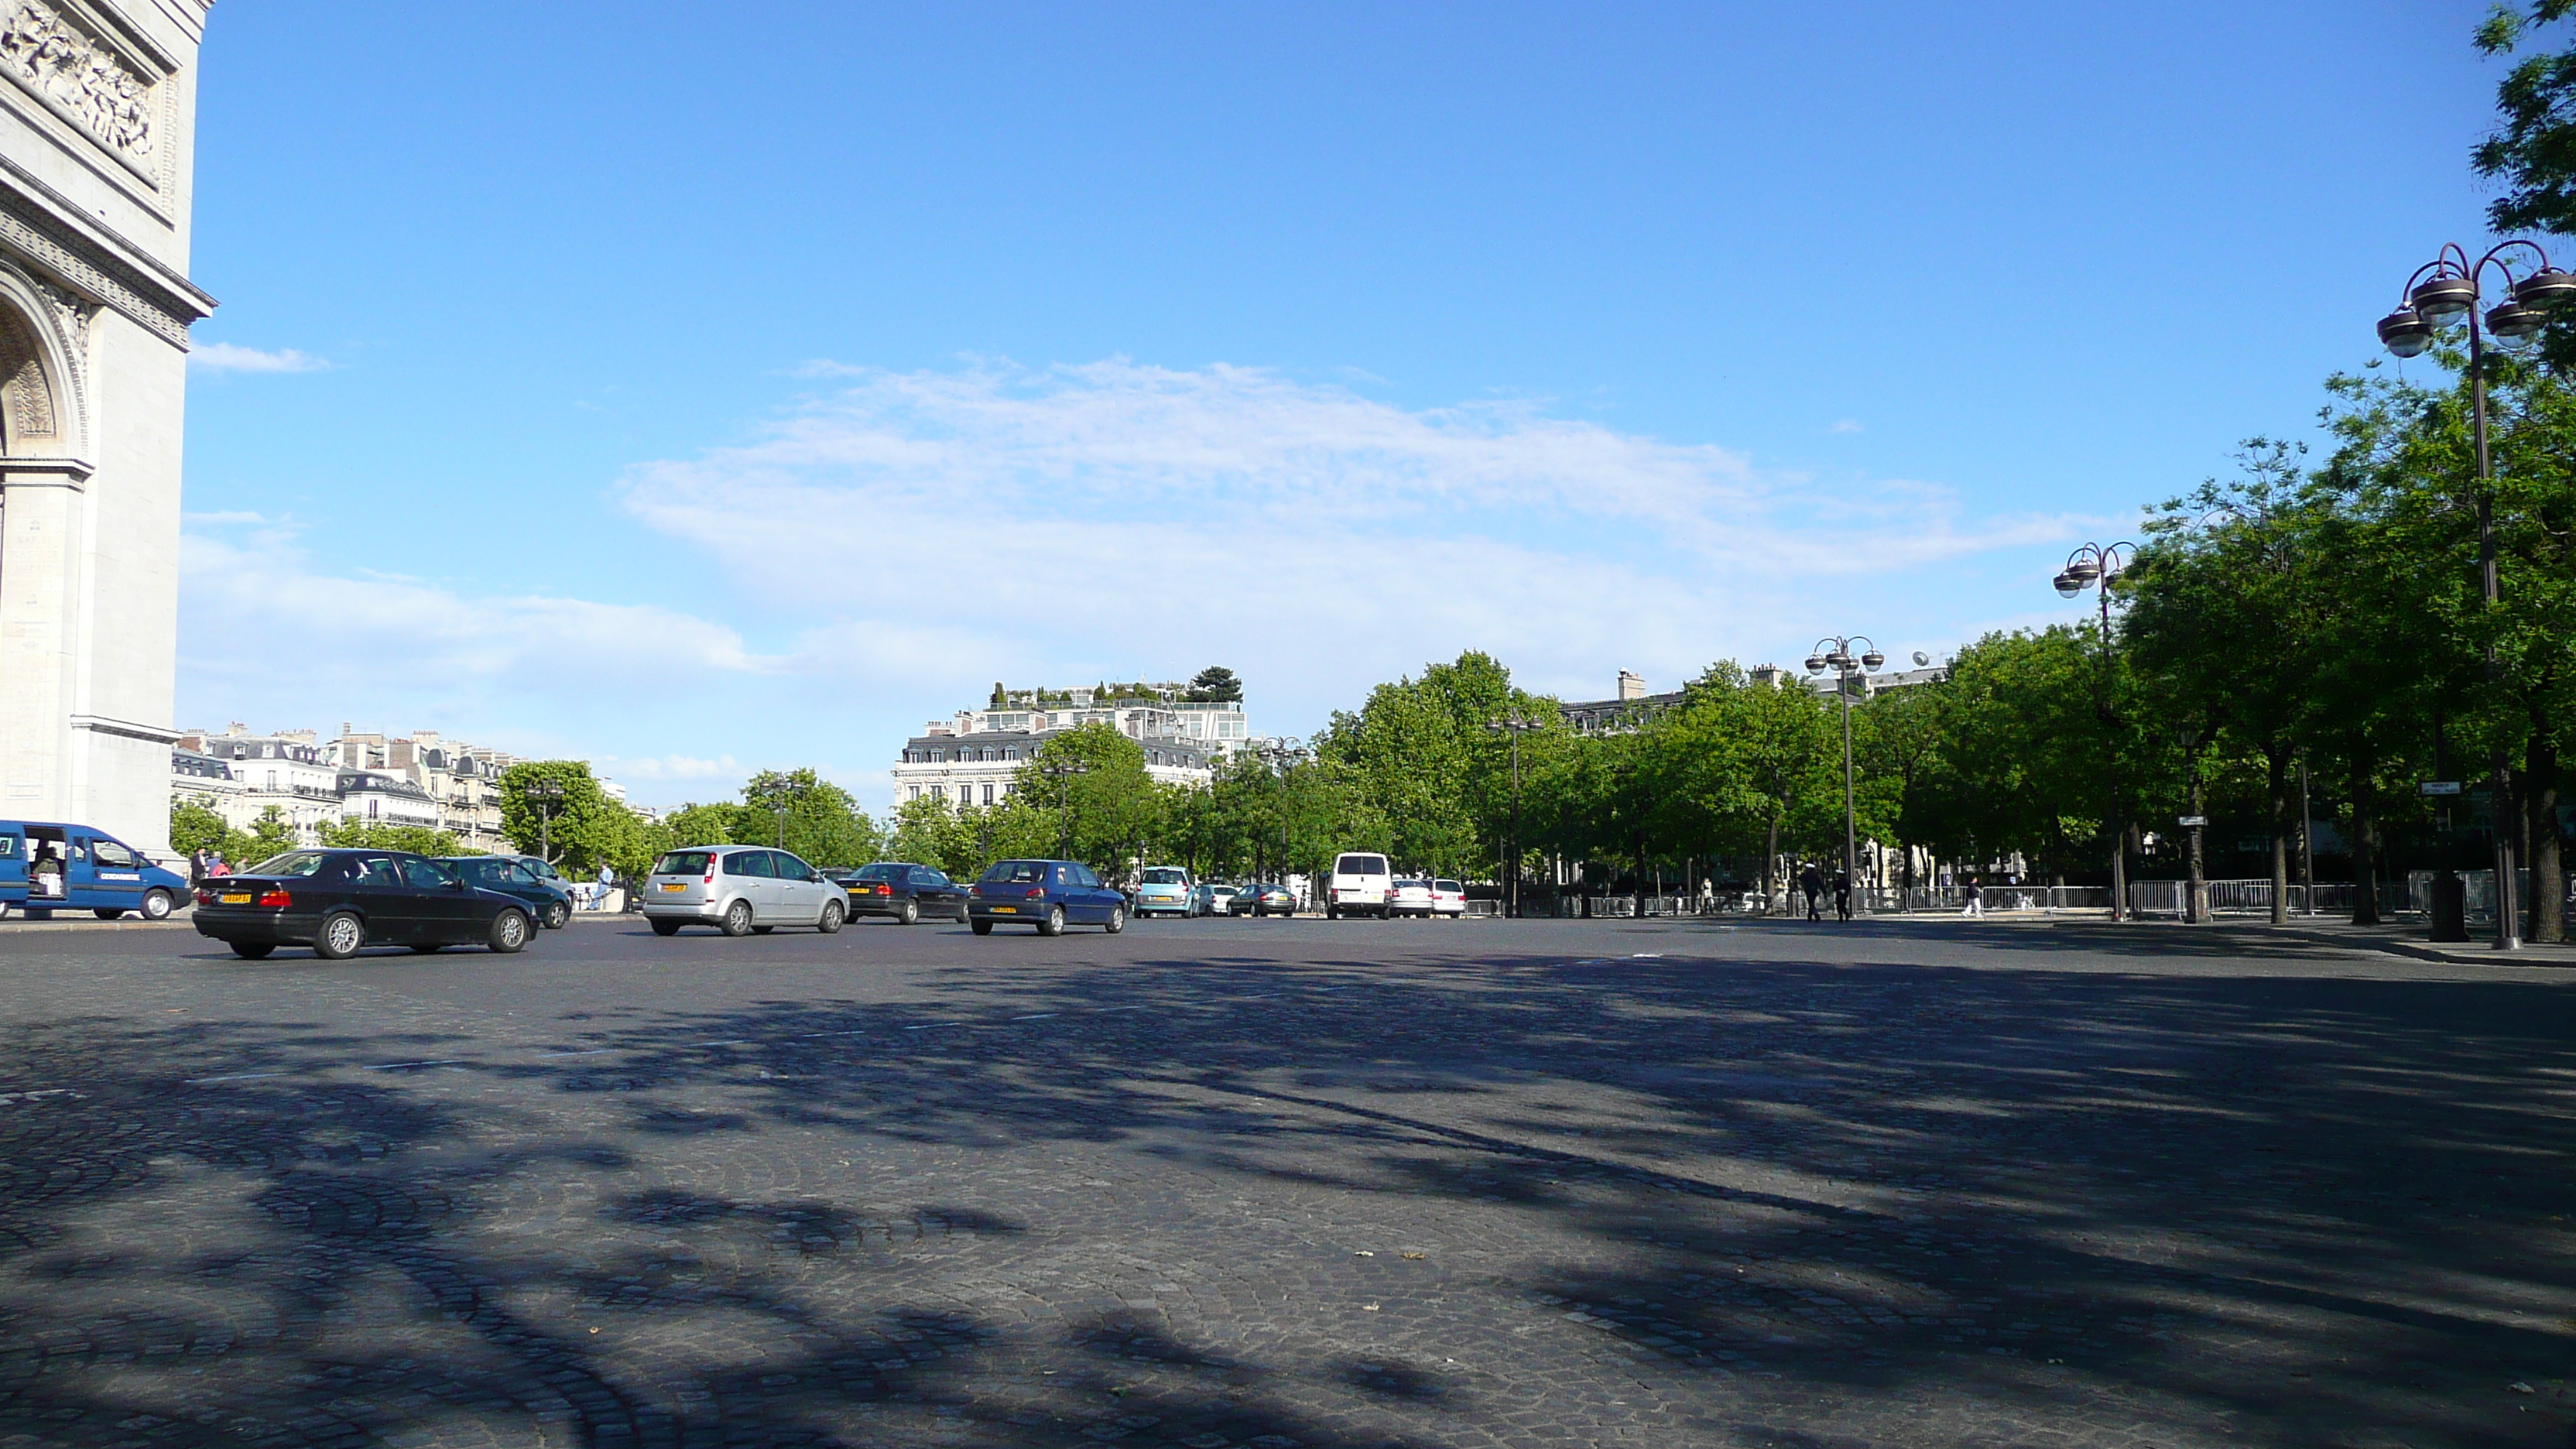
x,y
2441,787
2194,820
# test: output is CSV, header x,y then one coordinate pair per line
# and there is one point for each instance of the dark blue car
x,y
1047,894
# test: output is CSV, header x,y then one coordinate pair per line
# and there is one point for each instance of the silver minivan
x,y
740,890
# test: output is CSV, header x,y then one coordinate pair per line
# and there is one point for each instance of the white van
x,y
1362,884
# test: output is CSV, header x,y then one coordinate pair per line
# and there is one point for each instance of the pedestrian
x,y
1976,900
200,865
218,867
1842,894
607,883
1812,881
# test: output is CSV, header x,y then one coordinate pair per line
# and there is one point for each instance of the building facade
x,y
422,779
972,757
97,125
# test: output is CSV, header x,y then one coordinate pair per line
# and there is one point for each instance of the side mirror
x,y
455,885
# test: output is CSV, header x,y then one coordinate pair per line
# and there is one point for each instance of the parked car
x,y
341,901
1448,898
904,892
47,867
1262,900
550,903
740,890
1409,898
1165,890
1212,898
1360,885
1047,894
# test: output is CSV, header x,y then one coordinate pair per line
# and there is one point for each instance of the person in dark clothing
x,y
1812,881
1842,894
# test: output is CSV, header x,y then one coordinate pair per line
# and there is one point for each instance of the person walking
x,y
1842,894
607,883
1976,905
1812,881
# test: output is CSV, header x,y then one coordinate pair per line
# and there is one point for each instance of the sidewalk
x,y
2398,938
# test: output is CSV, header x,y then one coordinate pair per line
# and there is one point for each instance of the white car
x,y
1361,885
1410,898
740,890
1448,898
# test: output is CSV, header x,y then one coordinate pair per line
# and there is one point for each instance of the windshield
x,y
1016,872
1448,885
882,872
292,863
1360,865
1165,875
682,862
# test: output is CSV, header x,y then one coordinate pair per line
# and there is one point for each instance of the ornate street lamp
x,y
547,796
1063,771
2098,567
1514,725
2452,286
1836,654
1281,753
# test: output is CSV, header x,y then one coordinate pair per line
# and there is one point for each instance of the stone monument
x,y
97,118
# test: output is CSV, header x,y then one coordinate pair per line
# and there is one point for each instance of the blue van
x,y
45,868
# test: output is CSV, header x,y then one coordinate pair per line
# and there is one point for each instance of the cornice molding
x,y
93,260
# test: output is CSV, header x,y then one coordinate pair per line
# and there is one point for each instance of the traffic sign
x,y
2195,820
2441,787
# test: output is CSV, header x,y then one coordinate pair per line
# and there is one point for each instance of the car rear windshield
x,y
1360,865
292,863
1016,872
682,862
882,872
1165,875
1448,885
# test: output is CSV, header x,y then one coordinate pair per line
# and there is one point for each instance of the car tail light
x,y
205,897
1034,893
885,890
975,891
711,873
275,899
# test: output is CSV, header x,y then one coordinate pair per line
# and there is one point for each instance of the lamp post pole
x,y
1835,652
2441,289
2097,567
1281,753
1513,725
1062,772
547,796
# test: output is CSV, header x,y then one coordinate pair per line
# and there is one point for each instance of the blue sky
x,y
701,389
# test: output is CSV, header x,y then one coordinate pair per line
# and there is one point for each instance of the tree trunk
x,y
2277,772
2548,871
1770,858
2365,838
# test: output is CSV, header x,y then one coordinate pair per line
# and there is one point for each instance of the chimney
x,y
1631,686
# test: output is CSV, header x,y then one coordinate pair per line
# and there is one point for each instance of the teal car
x,y
1165,891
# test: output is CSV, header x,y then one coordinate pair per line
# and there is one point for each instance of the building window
x,y
988,792
916,793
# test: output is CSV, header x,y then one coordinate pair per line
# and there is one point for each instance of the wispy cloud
x,y
1847,425
227,357
1016,522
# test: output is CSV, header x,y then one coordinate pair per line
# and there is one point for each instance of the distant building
x,y
1633,706
972,757
419,779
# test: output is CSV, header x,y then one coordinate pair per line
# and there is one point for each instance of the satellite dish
x,y
1921,658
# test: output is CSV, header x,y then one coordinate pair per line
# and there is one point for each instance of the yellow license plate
x,y
241,898
674,887
1005,910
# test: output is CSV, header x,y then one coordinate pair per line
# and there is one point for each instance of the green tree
x,y
381,835
807,815
193,827
1216,684
1089,784
587,828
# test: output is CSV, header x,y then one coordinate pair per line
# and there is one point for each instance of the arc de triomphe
x,y
97,119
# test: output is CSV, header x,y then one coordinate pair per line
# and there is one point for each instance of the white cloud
x,y
227,357
1847,425
670,768
1077,522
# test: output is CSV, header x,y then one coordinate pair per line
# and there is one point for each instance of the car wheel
x,y
1332,913
909,914
664,928
510,932
1053,925
104,914
341,936
156,905
431,950
962,917
1117,919
252,950
737,919
558,916
762,930
981,928
831,918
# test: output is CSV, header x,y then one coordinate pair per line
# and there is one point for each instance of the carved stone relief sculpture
x,y
89,81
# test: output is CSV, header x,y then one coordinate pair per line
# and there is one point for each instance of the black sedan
x,y
904,891
341,901
551,904
1262,900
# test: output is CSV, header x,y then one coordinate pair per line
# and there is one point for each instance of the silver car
x,y
740,890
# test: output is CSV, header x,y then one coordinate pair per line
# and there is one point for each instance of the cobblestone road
x,y
1286,1183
